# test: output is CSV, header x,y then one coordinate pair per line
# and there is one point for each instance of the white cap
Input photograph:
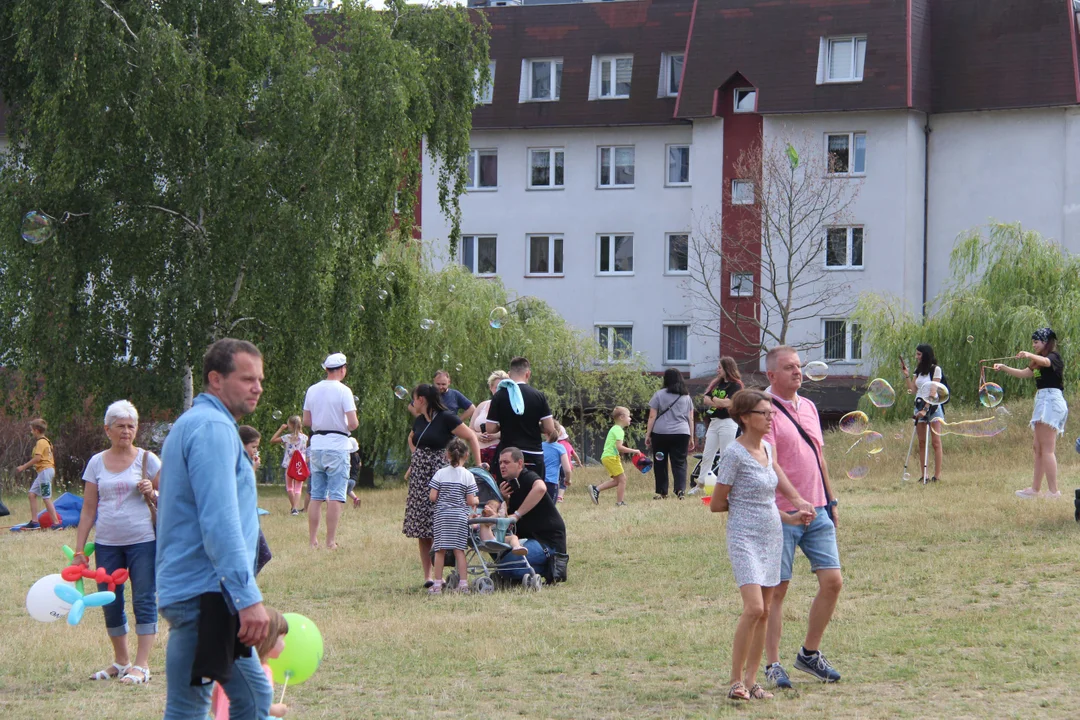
x,y
353,445
334,360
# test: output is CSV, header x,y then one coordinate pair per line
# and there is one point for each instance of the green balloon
x,y
302,654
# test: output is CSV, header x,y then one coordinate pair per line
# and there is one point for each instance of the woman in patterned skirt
x,y
432,431
746,489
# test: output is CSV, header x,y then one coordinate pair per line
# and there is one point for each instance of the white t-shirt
x,y
122,515
328,401
292,445
921,380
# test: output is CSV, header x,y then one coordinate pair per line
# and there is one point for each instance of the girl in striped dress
x,y
453,490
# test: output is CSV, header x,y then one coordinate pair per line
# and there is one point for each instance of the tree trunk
x,y
188,388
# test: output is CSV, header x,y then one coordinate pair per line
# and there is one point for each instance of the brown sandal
x,y
738,692
759,693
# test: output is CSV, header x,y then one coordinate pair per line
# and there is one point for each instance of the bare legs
x,y
142,653
750,634
935,442
1045,459
830,583
48,506
619,483
425,556
333,514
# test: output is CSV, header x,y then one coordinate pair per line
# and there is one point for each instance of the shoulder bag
x,y
817,458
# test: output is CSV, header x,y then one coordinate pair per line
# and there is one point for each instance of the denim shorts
x,y
42,486
818,543
935,413
329,474
1050,409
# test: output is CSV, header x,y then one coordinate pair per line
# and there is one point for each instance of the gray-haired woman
x,y
120,487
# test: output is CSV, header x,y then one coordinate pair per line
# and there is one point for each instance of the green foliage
x,y
1004,285
214,168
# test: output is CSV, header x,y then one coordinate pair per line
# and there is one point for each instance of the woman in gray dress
x,y
746,489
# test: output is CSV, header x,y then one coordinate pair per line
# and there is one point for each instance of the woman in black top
x,y
1051,411
717,401
432,429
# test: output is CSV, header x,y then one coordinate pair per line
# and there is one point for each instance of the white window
x,y
841,59
485,93
483,170
676,350
616,340
678,253
545,255
611,75
478,254
671,67
678,165
546,168
844,248
745,100
615,254
846,153
843,341
542,80
742,284
742,192
616,166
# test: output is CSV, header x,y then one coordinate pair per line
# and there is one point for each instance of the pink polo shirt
x,y
793,454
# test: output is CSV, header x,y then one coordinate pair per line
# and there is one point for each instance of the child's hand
x,y
278,710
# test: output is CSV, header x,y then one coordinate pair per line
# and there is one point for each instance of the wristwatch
x,y
833,503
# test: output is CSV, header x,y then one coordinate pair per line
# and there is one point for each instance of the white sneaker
x,y
1027,493
1053,495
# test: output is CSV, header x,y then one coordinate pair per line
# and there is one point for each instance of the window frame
x,y
472,184
849,336
551,158
611,272
598,64
849,247
611,327
666,65
732,285
667,254
611,175
734,194
852,138
476,238
735,100
555,241
485,94
827,44
554,76
667,165
676,361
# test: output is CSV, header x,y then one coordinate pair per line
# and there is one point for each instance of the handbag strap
x,y
813,447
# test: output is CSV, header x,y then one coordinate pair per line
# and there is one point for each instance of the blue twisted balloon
x,y
79,603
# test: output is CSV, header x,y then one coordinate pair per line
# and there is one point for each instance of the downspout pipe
x,y
926,212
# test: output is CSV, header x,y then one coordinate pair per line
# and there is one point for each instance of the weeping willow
x,y
1005,282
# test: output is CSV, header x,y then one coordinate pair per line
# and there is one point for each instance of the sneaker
x,y
817,666
659,497
294,511
681,496
620,504
1027,493
1053,495
777,676
32,525
595,492
693,490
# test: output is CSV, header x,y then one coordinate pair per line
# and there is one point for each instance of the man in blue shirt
x,y
208,531
451,398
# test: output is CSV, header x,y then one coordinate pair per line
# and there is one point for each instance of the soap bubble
x,y
991,395
816,370
458,368
382,294
160,432
497,317
873,442
881,393
978,428
360,308
445,359
37,227
970,339
934,393
898,436
400,392
858,472
659,457
390,276
906,477
427,324
1002,410
854,423
356,399
450,289
276,414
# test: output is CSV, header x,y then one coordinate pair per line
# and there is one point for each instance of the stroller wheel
x,y
452,579
531,582
483,586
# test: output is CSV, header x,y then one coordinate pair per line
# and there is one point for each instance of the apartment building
x,y
610,127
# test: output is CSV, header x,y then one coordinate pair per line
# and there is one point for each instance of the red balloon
x,y
72,573
45,520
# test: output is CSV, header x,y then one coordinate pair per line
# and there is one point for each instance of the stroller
x,y
497,553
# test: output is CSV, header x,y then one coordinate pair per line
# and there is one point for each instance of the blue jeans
x,y
329,474
139,561
249,691
818,543
512,567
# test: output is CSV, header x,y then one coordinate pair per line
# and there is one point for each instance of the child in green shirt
x,y
614,449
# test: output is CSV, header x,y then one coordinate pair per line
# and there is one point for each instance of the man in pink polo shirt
x,y
805,467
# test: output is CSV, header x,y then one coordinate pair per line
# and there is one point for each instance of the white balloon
x,y
41,601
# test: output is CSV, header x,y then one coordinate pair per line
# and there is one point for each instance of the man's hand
x,y
505,489
835,516
254,624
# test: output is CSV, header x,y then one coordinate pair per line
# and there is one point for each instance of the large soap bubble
x,y
427,324
854,423
934,393
816,370
991,395
880,393
979,428
497,317
859,471
400,392
37,227
873,442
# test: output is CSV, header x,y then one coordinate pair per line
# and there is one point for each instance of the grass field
x,y
960,602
